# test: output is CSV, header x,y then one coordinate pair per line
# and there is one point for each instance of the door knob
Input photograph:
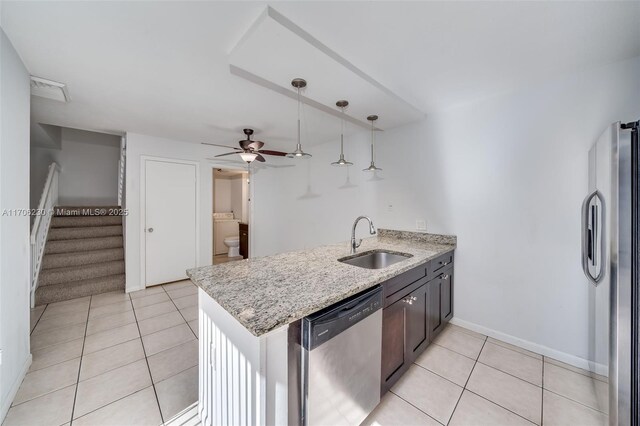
x,y
150,230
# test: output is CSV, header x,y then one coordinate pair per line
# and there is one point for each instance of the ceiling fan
x,y
249,150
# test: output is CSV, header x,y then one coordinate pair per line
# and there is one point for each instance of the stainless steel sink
x,y
375,259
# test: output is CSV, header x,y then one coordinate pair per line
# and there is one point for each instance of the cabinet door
x,y
434,313
244,241
417,323
447,296
394,357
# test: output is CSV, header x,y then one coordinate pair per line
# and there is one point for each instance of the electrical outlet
x,y
421,225
389,206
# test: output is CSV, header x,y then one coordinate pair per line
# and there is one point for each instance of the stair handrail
x,y
41,224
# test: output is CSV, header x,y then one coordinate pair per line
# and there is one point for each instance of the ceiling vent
x,y
49,89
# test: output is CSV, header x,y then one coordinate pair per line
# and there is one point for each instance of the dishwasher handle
x,y
327,323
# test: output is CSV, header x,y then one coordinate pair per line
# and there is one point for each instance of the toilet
x,y
234,246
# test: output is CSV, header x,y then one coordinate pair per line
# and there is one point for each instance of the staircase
x,y
83,255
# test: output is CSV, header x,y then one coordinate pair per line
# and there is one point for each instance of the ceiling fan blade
x,y
221,146
260,158
269,152
228,153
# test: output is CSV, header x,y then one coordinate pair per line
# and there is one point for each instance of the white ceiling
x,y
161,68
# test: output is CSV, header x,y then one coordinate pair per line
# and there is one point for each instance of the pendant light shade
x,y
299,84
342,162
372,167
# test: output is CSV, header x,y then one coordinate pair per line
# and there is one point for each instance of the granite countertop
x,y
265,293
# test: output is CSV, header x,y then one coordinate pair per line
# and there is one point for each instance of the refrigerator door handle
x,y
593,240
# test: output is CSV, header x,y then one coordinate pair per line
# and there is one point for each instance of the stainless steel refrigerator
x,y
610,260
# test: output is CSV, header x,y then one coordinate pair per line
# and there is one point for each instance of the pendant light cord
x,y
298,118
342,133
372,139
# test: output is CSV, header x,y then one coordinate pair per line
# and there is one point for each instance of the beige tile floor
x,y
112,359
131,359
467,379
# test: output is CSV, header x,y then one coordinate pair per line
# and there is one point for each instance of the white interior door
x,y
170,220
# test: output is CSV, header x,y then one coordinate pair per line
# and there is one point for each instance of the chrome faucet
x,y
372,231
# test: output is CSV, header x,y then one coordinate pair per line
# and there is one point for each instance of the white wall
x,y
89,168
222,195
14,230
39,161
508,175
238,204
312,204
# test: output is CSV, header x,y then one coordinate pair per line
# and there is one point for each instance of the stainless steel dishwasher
x,y
341,361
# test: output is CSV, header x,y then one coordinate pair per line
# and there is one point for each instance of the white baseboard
x,y
14,389
535,347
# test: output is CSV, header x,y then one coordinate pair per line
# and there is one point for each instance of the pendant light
x,y
372,167
342,162
299,84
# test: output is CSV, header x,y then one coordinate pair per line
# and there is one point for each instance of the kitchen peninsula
x,y
251,313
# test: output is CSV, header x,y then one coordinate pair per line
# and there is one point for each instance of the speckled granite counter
x,y
265,293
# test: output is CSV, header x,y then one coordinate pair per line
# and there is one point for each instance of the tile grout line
x,y
480,396
180,312
467,382
516,351
496,404
577,402
542,396
509,374
486,399
146,359
75,395
38,320
417,408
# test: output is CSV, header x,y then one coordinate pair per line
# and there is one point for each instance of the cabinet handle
x,y
444,263
444,276
410,300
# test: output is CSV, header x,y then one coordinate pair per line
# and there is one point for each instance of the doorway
x,y
231,214
170,212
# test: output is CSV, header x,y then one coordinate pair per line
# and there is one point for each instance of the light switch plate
x,y
421,225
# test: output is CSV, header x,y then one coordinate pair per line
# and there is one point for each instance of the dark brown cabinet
x,y
417,329
405,332
394,354
418,304
244,240
440,302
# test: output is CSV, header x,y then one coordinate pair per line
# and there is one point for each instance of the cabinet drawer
x,y
392,288
438,264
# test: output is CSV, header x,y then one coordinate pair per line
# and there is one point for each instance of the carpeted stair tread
x,y
59,292
62,260
81,221
83,244
82,272
83,232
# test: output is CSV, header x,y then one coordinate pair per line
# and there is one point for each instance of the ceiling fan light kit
x,y
342,162
372,167
249,150
299,84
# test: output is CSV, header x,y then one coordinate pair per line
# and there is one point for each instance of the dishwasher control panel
x,y
327,323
